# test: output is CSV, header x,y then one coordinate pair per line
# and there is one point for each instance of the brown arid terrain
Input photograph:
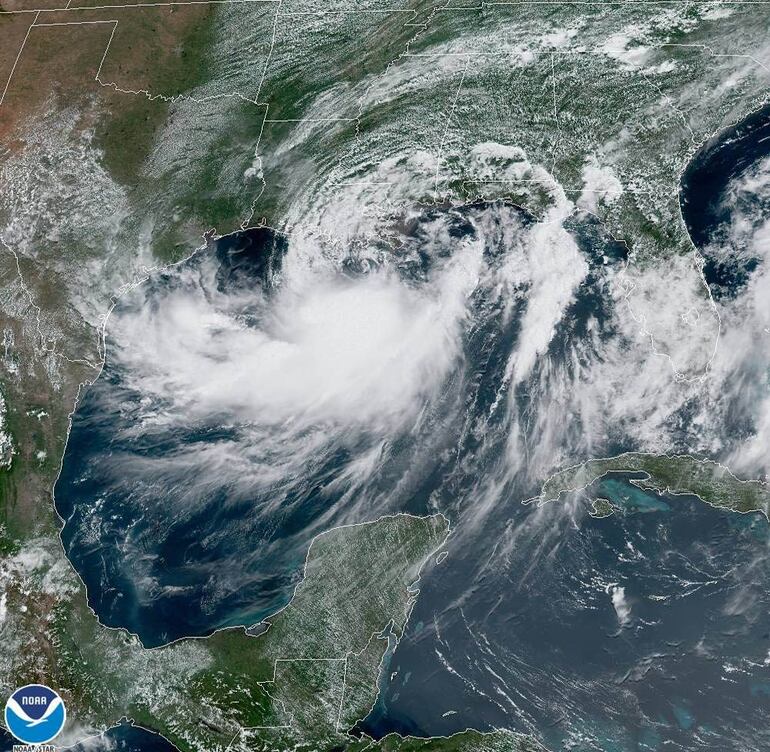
x,y
77,203
133,134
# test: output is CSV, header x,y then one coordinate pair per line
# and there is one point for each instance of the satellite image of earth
x,y
386,375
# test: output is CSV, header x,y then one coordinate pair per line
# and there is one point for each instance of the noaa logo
x,y
35,714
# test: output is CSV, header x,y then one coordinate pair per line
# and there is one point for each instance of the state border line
x,y
119,6
18,57
328,11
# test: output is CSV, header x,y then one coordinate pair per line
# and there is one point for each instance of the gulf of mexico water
x,y
644,630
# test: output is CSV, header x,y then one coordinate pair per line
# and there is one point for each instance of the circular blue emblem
x,y
35,714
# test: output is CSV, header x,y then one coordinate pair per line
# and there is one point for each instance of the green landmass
x,y
466,741
213,116
301,683
601,508
676,474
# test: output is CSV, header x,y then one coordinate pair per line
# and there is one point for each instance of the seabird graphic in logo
x,y
35,714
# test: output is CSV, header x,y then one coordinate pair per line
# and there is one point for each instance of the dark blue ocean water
x,y
705,208
536,644
166,560
122,738
517,628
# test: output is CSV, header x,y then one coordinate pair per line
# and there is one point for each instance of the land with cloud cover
x,y
680,474
483,274
302,681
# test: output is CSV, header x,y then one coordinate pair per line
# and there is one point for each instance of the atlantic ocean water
x,y
643,630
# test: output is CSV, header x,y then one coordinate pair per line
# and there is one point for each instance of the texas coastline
x,y
599,544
